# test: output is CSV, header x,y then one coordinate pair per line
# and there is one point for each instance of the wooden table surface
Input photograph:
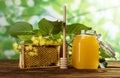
x,y
9,69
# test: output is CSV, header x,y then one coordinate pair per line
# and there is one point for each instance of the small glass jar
x,y
85,51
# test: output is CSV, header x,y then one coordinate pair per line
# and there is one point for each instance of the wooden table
x,y
9,69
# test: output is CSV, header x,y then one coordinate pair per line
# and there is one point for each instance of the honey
x,y
85,52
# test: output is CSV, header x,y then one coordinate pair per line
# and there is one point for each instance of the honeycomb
x,y
45,56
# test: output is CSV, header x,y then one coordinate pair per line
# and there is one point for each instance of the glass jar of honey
x,y
85,51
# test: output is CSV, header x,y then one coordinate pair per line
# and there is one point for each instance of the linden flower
x,y
35,42
33,53
19,47
40,37
15,45
42,42
15,49
59,40
49,42
35,49
27,48
30,47
56,43
33,38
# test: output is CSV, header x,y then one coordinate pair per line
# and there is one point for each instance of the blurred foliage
x,y
94,13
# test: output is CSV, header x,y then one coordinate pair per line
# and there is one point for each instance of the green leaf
x,y
36,32
55,36
25,37
57,27
45,27
21,28
76,28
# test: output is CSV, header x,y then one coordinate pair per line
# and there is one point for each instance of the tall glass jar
x,y
85,51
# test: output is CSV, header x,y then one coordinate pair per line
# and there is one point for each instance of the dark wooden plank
x,y
113,64
9,69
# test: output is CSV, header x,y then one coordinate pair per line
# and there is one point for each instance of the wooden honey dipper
x,y
63,60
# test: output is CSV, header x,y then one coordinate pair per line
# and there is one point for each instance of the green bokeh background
x,y
102,15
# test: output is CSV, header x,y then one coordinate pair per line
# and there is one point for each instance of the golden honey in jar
x,y
85,52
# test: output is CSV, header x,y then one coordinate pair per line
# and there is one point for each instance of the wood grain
x,y
9,69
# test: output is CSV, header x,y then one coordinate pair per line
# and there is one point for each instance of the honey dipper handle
x,y
64,33
63,61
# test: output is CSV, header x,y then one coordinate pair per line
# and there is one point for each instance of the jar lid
x,y
91,32
88,32
107,48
